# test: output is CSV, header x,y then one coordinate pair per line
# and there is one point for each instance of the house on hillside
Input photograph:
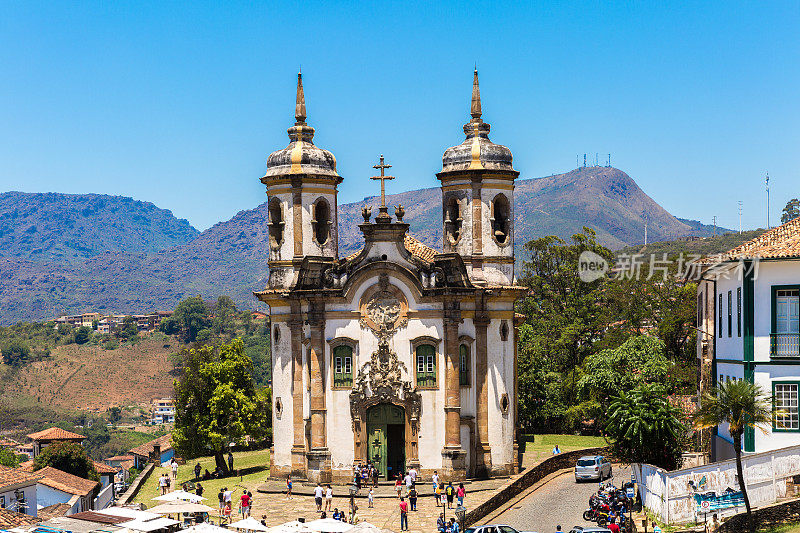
x,y
159,450
163,411
106,473
18,490
43,439
748,303
56,486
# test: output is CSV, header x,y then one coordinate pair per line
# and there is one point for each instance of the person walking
x,y
408,481
403,514
460,493
244,504
318,493
174,469
398,486
412,497
450,492
371,497
162,484
289,487
328,497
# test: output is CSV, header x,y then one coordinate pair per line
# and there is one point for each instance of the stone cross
x,y
382,166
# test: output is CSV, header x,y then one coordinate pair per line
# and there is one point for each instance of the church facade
x,y
398,354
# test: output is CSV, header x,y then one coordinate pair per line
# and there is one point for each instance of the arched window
x,y
453,220
463,365
501,212
321,221
275,224
343,366
426,366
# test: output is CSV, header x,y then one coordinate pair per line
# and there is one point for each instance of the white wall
x,y
30,500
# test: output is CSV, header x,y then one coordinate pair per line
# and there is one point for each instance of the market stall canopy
x,y
329,525
179,495
249,523
181,507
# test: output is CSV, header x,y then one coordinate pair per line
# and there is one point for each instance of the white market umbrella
x,y
249,523
179,495
181,507
290,527
205,527
365,527
329,525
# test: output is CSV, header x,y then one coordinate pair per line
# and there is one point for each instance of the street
x,y
561,501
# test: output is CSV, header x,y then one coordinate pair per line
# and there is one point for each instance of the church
x,y
399,354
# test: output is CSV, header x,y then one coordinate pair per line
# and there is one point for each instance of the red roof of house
x,y
103,468
146,449
53,511
9,519
65,482
55,434
15,476
783,241
119,458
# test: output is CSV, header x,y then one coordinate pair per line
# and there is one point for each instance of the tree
x,y
224,316
82,335
742,405
69,457
191,317
8,458
216,402
16,353
128,329
638,360
114,414
645,427
791,211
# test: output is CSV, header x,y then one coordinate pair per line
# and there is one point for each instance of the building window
x,y
785,338
463,365
700,310
321,221
426,366
720,315
343,366
453,220
503,331
786,411
739,312
276,224
501,222
730,313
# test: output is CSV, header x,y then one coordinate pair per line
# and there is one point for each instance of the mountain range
x,y
64,254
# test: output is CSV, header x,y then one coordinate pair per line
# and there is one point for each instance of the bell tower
x,y
478,201
302,186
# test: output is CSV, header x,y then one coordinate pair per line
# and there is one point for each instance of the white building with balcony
x,y
749,328
163,411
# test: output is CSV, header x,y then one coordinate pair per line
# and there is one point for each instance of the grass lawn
x,y
540,447
786,528
255,465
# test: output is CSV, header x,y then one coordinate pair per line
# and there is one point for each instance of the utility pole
x,y
584,160
646,221
740,216
714,221
767,183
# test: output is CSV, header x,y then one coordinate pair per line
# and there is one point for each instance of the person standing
x,y
354,515
398,486
328,497
412,497
221,497
435,480
197,471
403,514
244,504
174,469
289,487
460,493
230,461
318,493
228,495
413,473
613,526
371,497
409,481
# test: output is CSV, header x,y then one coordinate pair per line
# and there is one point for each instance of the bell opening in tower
x,y
321,221
500,218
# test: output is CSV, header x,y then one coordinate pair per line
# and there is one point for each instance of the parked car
x,y
494,528
594,467
590,529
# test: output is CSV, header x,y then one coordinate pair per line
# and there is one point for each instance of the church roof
x,y
477,152
301,156
417,249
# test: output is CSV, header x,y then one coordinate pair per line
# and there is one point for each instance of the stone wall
x,y
765,517
528,478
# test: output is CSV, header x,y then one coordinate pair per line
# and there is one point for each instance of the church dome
x,y
301,156
477,151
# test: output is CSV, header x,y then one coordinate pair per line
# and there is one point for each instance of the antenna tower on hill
x,y
767,184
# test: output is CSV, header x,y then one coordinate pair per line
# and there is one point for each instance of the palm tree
x,y
742,405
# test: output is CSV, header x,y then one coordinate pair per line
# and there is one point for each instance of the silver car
x,y
594,467
494,528
591,529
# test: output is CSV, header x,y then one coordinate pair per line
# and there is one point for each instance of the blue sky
x,y
180,103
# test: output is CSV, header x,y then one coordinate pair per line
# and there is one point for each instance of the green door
x,y
386,442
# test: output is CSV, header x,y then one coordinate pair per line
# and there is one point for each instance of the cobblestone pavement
x,y
385,513
558,502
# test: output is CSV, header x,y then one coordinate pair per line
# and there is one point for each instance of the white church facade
x,y
398,354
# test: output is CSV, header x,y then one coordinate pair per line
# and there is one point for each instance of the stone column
x,y
477,228
298,425
483,452
297,217
319,458
453,457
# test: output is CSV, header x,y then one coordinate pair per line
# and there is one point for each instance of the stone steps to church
x,y
383,490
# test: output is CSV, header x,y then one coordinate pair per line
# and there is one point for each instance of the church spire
x,y
300,105
475,110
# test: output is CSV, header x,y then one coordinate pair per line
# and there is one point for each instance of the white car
x,y
494,528
594,467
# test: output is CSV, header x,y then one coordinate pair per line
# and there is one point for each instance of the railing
x,y
784,345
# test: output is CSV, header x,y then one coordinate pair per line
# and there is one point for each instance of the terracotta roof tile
x,y
53,511
8,443
9,519
126,457
103,468
65,482
15,476
147,448
55,434
783,241
26,465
